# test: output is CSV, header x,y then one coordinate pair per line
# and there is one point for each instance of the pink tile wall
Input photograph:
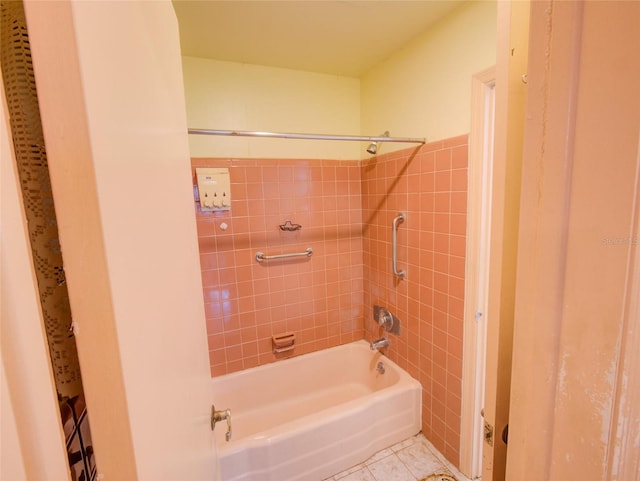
x,y
429,185
317,298
346,209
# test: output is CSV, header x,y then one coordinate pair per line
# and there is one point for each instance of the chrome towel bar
x,y
260,256
394,245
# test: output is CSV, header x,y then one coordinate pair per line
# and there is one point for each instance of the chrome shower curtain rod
x,y
281,135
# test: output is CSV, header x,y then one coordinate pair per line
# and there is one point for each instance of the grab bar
x,y
264,257
394,245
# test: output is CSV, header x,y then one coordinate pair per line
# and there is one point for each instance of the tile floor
x,y
409,460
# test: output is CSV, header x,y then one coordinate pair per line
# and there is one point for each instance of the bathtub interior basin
x,y
311,416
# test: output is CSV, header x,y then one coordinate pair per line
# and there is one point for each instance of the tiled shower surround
x,y
320,299
429,185
345,209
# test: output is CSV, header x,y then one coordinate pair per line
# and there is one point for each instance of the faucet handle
x,y
222,415
385,319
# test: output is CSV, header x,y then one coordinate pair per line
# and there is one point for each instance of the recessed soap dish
x,y
283,342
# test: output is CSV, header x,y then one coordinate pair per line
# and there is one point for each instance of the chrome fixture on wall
x,y
261,256
394,246
222,415
288,226
379,343
372,149
386,319
373,146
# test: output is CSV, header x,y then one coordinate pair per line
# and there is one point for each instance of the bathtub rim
x,y
359,344
327,414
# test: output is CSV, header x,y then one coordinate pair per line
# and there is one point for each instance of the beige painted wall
x,y
424,89
233,96
115,127
31,439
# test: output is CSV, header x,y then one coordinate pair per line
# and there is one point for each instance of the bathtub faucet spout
x,y
379,344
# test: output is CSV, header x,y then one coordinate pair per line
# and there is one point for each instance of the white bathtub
x,y
312,416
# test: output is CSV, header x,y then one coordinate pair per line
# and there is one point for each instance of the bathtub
x,y
312,416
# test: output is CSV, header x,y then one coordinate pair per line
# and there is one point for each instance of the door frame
x,y
480,181
502,234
